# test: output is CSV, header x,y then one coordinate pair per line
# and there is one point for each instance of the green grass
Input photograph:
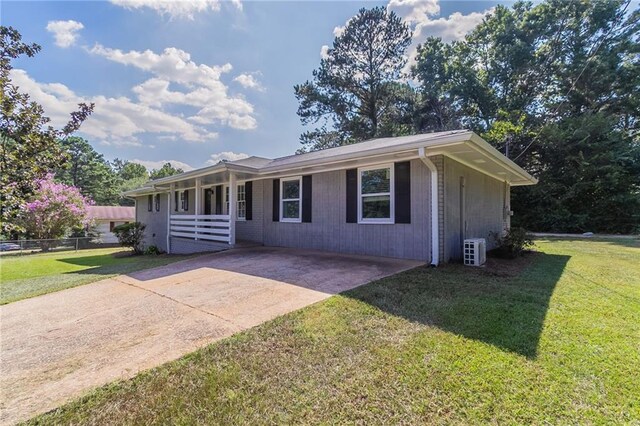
x,y
27,276
552,338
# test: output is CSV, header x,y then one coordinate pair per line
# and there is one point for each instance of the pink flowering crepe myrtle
x,y
54,210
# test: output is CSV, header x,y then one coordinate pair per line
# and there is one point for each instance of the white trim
x,y
225,208
386,221
435,224
299,200
233,187
169,201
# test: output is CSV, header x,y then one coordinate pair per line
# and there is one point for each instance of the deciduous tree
x,y
29,146
53,210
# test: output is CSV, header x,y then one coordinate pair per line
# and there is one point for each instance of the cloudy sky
x,y
193,82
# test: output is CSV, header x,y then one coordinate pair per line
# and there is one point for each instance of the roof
x,y
361,148
463,146
112,212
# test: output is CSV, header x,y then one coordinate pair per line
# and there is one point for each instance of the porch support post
x,y
197,206
169,210
233,188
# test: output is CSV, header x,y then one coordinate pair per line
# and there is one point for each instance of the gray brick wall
x,y
329,230
252,230
156,222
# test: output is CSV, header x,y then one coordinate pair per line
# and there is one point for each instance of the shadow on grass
x,y
502,307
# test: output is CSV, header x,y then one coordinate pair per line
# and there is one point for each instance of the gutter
x,y
435,231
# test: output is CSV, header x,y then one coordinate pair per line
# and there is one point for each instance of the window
x,y
241,208
157,202
111,226
241,201
375,194
150,203
290,199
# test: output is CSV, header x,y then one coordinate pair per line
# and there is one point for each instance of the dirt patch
x,y
509,267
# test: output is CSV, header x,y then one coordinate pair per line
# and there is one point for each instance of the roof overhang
x,y
477,154
465,147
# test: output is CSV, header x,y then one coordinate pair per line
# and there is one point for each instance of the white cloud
x,y
414,11
453,27
226,156
324,52
420,16
186,9
65,33
115,120
155,165
205,90
249,81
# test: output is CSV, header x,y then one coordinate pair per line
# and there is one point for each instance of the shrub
x,y
153,250
131,235
513,244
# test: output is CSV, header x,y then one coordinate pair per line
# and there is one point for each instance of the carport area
x,y
58,346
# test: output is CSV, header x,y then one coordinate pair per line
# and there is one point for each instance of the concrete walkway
x,y
56,347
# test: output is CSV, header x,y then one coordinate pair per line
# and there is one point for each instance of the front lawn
x,y
552,338
27,276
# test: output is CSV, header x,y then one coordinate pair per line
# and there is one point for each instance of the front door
x,y
208,201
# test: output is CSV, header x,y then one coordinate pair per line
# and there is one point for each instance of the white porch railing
x,y
201,227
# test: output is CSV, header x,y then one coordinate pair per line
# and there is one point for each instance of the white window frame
x,y
299,200
181,200
391,219
225,193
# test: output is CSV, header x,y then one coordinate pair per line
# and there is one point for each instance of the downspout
x,y
435,232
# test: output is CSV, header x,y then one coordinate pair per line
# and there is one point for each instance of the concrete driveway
x,y
58,346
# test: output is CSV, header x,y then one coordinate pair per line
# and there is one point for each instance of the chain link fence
x,y
20,247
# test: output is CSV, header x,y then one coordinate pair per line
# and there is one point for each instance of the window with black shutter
x,y
248,193
402,176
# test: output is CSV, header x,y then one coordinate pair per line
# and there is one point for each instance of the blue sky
x,y
193,81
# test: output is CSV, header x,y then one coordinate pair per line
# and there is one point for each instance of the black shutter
x,y
402,187
186,200
248,197
352,196
207,201
306,198
219,199
175,196
150,203
276,200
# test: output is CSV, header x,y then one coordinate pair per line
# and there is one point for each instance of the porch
x,y
208,219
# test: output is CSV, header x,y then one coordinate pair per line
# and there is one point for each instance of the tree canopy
x,y
165,171
87,170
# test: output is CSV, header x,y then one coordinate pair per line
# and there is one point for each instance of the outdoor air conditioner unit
x,y
475,251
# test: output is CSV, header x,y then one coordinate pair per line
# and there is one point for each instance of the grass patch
x,y
552,338
27,276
